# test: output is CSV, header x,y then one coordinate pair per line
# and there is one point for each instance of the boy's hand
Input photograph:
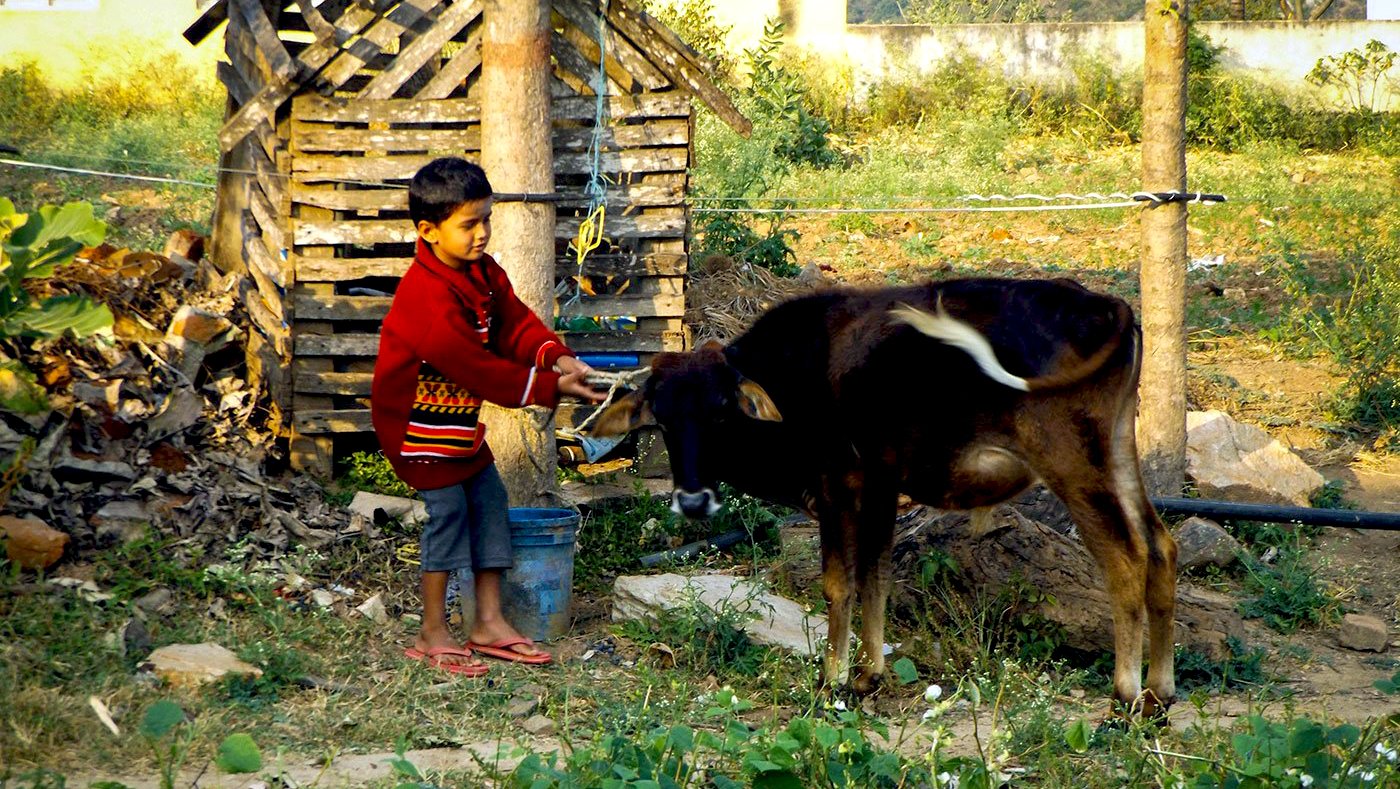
x,y
572,384
570,364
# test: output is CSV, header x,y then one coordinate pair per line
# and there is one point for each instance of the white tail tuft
x,y
944,327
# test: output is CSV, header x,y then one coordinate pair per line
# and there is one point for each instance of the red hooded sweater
x,y
451,340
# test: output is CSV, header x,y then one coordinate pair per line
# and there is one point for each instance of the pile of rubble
x,y
155,424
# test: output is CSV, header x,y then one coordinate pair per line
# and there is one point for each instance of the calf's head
x,y
699,401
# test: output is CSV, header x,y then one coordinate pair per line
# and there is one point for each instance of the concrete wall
x,y
64,42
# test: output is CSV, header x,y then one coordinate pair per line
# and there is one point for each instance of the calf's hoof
x,y
1154,709
867,683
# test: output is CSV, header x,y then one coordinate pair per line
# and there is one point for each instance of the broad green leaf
x,y
1078,734
239,754
1307,737
162,716
1345,735
906,672
59,315
827,737
681,738
75,221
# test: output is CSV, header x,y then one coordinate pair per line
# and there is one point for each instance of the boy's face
x,y
460,238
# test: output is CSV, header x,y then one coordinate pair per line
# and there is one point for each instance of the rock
x,y
380,508
520,708
183,409
1201,542
71,469
198,326
323,597
158,601
1238,462
184,665
1363,633
31,543
374,610
135,639
780,622
539,725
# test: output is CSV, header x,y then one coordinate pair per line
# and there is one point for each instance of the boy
x,y
457,335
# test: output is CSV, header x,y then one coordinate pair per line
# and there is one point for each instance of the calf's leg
x,y
838,586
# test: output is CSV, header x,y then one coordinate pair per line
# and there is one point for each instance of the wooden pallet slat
x,y
320,138
275,94
387,30
661,305
348,344
632,62
317,307
656,223
454,72
669,192
621,109
417,54
321,421
676,60
265,36
375,170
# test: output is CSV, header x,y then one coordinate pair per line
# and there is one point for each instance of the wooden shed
x,y
335,104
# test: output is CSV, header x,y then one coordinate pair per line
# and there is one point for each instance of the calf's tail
x,y
964,336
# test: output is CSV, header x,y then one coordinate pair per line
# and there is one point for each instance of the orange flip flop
x,y
431,658
501,650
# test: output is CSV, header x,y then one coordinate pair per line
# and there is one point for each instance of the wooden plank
x,y
331,421
587,49
213,16
414,56
619,198
273,95
655,223
349,344
674,59
272,298
661,305
319,307
269,223
385,31
585,20
242,54
379,169
261,258
311,138
452,75
572,67
313,107
318,137
266,322
347,269
331,383
264,33
623,341
316,22
272,181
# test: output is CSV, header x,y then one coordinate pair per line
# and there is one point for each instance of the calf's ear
x,y
756,403
622,417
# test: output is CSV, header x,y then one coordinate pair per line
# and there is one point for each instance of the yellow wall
x,y
64,42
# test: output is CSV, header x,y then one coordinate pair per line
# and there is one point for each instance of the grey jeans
x,y
468,525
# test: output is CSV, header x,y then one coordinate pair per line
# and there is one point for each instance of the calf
x,y
959,394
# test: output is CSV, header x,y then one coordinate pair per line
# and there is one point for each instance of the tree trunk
x,y
1162,392
1015,549
517,152
1237,10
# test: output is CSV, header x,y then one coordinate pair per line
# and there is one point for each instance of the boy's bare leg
x,y
435,632
491,625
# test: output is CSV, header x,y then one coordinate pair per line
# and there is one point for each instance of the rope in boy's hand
x,y
614,382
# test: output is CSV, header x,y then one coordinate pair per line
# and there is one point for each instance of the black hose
x,y
686,551
1269,513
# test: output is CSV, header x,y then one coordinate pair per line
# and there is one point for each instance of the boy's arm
x,y
523,336
452,347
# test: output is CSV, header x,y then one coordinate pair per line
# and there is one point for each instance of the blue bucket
x,y
537,591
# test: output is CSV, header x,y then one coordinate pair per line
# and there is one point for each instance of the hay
x,y
725,297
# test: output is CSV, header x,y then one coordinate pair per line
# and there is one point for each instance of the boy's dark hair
x,y
442,186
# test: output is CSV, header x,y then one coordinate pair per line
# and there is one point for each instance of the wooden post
x,y
1162,392
517,152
